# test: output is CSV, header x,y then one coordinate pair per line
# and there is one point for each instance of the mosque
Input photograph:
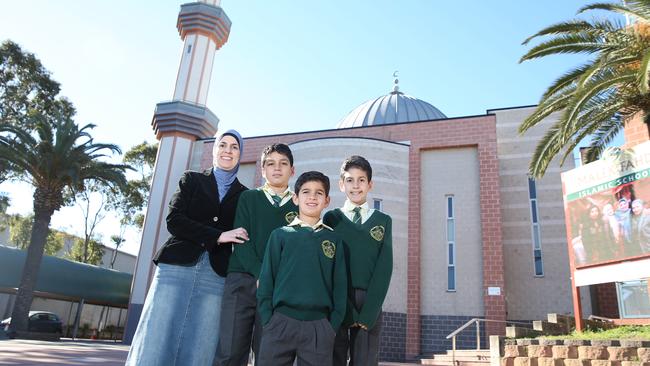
x,y
473,235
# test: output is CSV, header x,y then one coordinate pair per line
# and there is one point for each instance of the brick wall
x,y
636,131
392,343
606,300
435,329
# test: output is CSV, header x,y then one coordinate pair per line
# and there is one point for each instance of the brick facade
x,y
605,300
435,329
392,343
636,131
479,132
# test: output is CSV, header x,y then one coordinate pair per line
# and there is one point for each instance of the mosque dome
x,y
395,107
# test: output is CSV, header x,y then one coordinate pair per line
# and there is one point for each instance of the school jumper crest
x,y
290,216
329,248
377,232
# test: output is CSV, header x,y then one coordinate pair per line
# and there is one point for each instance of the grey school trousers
x,y
363,344
285,339
240,325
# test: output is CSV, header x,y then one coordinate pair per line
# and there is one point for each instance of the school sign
x,y
607,211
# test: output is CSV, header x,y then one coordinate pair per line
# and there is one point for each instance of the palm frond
x,y
590,90
569,44
644,70
593,119
571,26
639,12
546,149
544,109
566,80
602,137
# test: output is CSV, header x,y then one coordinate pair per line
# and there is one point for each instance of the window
x,y
377,204
189,49
451,244
633,300
535,228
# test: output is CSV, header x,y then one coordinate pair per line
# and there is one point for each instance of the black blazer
x,y
196,219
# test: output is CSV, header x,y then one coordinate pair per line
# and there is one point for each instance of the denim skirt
x,y
179,324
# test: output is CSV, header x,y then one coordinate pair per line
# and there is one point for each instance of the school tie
x,y
357,215
276,200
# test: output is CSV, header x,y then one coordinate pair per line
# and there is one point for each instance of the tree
x,y
86,251
25,85
55,156
20,231
130,201
92,202
117,242
596,98
143,158
25,88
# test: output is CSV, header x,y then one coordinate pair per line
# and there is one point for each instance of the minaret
x,y
204,27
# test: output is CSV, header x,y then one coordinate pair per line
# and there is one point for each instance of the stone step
x,y
521,332
549,328
483,352
461,357
567,320
430,361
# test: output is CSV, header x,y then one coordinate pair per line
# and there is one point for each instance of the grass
x,y
636,332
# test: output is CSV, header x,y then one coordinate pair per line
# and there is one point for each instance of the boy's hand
x,y
236,236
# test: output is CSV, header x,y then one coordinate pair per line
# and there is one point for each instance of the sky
x,y
288,66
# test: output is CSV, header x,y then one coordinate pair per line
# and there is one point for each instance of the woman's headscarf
x,y
225,178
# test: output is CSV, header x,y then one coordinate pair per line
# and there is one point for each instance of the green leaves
x,y
25,85
595,98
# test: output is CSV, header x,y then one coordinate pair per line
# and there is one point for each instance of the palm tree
x,y
54,156
596,98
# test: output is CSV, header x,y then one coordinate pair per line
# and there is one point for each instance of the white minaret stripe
x,y
204,47
184,68
206,73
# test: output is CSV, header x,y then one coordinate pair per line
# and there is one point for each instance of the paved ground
x,y
66,352
69,352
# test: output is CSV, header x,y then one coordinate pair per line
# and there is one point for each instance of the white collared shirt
x,y
269,192
317,227
365,212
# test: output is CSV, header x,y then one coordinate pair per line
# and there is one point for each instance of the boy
x,y
367,234
303,283
259,211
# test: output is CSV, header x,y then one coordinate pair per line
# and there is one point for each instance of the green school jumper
x,y
303,276
259,217
370,262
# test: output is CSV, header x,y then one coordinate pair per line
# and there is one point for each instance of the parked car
x,y
39,321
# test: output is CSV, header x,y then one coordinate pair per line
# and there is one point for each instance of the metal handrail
x,y
478,321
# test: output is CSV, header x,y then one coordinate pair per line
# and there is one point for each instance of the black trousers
x,y
240,326
363,345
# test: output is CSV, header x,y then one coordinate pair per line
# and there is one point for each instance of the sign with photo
x,y
607,208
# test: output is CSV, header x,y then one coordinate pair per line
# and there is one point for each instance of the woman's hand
x,y
236,236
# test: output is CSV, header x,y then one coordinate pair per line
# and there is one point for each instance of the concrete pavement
x,y
68,352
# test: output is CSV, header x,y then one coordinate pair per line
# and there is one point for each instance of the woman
x,y
595,236
181,314
640,223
